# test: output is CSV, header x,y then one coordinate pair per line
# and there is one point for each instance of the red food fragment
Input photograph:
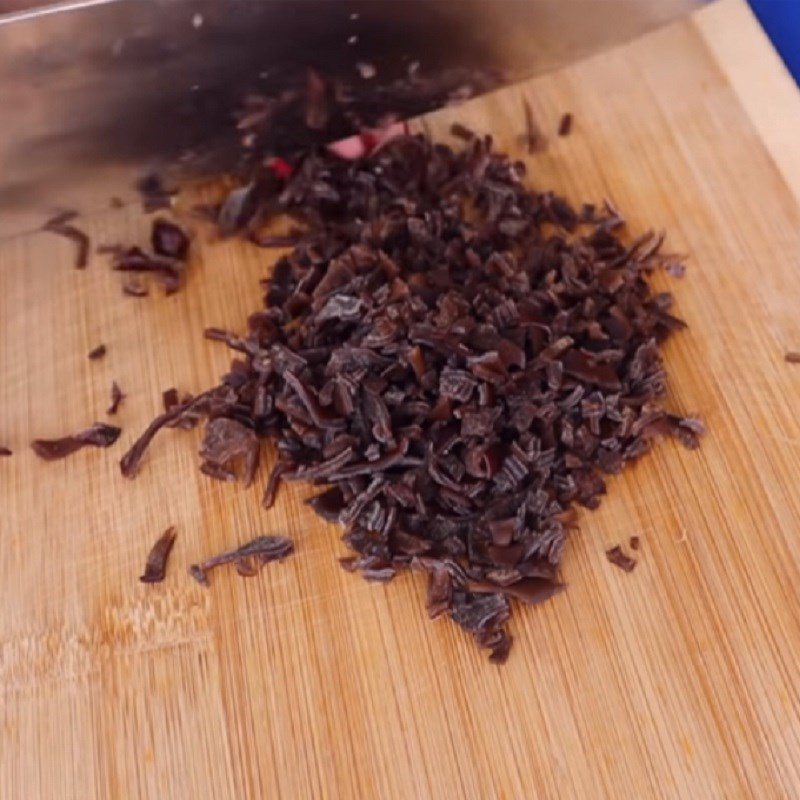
x,y
156,566
97,352
792,357
349,149
4,451
368,141
634,542
280,167
565,125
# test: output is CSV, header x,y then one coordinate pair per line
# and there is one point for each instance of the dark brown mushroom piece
x,y
169,240
155,568
619,558
99,435
117,396
136,260
247,559
225,443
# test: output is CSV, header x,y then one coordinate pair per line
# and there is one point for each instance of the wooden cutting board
x,y
678,680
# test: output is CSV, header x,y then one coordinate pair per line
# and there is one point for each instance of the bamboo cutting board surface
x,y
678,680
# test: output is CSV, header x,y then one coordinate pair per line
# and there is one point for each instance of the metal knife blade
x,y
95,92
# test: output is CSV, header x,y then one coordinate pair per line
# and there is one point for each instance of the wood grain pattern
x,y
678,680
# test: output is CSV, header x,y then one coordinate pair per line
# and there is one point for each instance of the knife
x,y
96,93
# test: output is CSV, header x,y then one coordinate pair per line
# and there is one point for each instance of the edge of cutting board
x,y
760,79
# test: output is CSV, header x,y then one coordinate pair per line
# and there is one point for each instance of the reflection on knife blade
x,y
103,90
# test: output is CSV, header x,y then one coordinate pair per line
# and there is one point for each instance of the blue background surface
x,y
781,20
